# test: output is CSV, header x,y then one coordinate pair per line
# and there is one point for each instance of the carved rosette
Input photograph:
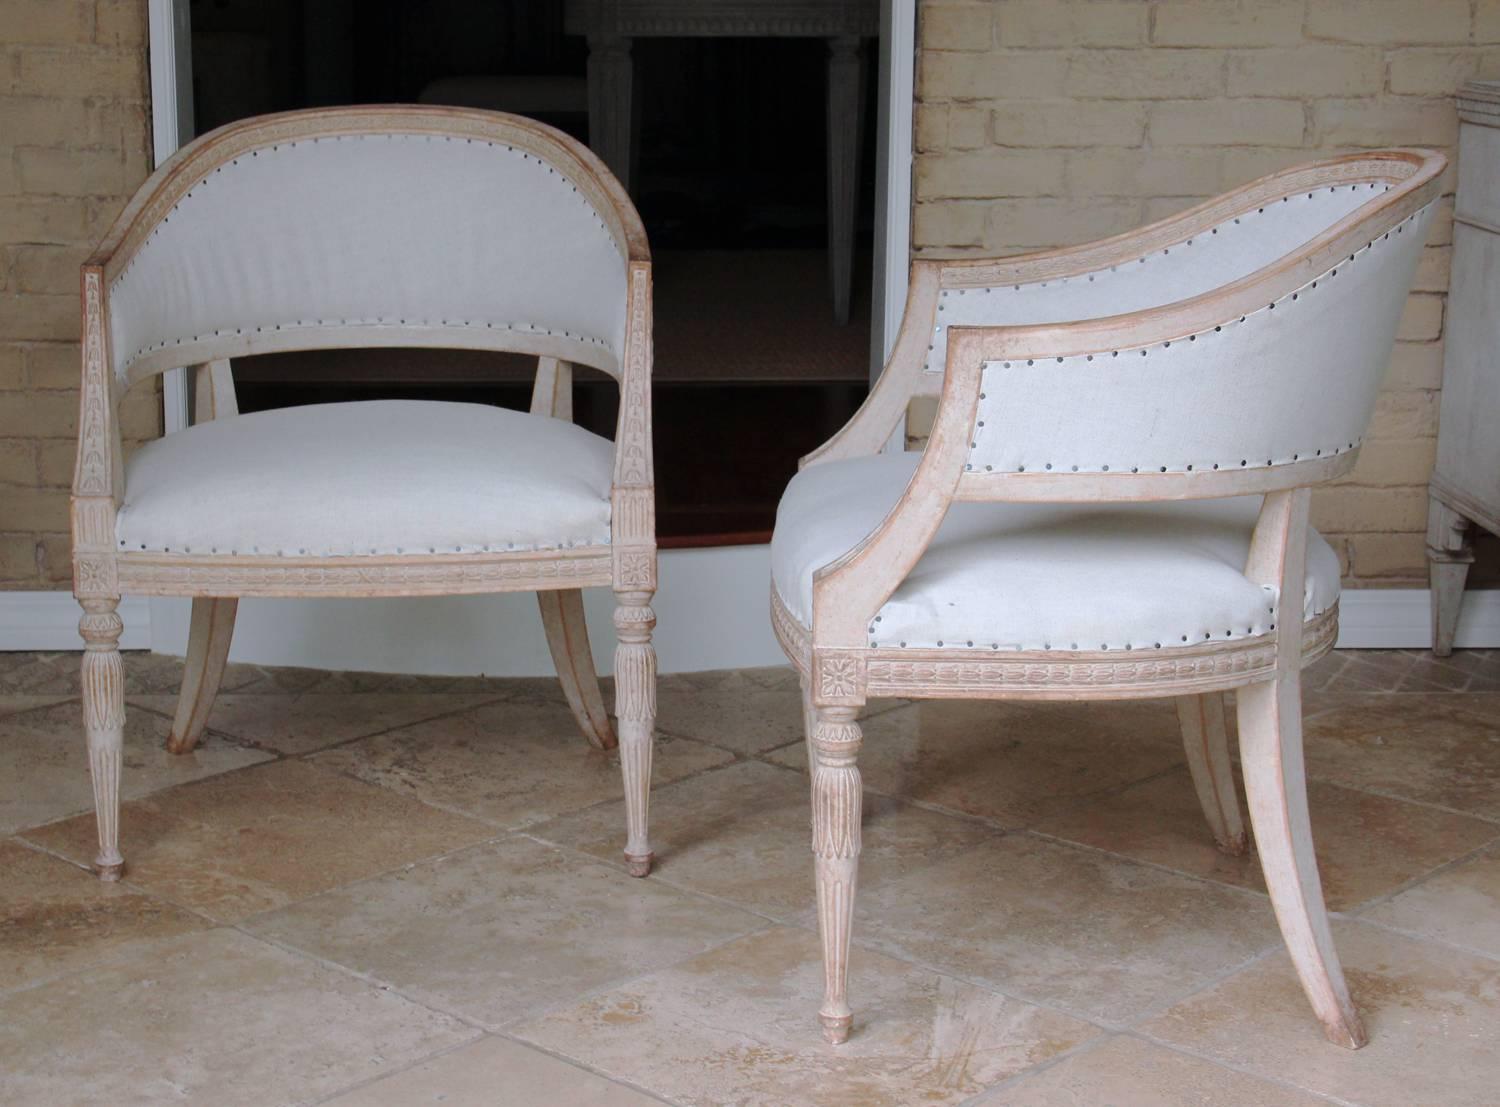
x,y
839,678
635,569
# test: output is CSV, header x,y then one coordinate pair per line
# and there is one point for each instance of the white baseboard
x,y
711,610
48,621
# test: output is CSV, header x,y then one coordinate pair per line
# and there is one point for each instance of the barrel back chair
x,y
1113,504
369,227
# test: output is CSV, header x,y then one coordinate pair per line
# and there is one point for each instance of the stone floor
x,y
367,890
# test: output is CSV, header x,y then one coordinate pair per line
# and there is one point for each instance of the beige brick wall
x,y
74,144
1049,122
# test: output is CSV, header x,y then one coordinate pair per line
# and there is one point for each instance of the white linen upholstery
x,y
1041,576
1292,380
1234,249
376,477
378,231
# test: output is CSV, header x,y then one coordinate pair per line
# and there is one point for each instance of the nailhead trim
x,y
203,184
1089,276
1295,295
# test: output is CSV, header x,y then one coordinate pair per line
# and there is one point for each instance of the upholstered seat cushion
x,y
377,477
1041,576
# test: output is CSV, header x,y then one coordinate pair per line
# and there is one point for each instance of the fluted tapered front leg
x,y
104,724
836,817
635,719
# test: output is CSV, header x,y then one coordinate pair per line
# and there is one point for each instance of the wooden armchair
x,y
1113,504
369,227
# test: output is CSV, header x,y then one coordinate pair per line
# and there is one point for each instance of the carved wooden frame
x,y
841,670
102,572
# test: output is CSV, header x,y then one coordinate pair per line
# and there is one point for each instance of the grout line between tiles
x,y
1198,1055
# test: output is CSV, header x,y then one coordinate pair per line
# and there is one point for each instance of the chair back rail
x,y
1239,251
391,226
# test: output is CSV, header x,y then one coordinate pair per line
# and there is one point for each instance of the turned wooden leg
x,y
635,713
1205,739
568,639
1449,556
208,651
104,723
1270,715
836,817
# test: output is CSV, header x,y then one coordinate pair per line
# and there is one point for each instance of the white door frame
x,y
170,37
721,592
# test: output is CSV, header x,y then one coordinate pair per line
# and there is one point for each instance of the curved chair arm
x,y
870,427
1270,371
848,592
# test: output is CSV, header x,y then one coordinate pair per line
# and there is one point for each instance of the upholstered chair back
x,y
498,236
1260,341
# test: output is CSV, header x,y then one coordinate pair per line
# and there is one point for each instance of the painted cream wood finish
x,y
565,262
1465,489
1391,193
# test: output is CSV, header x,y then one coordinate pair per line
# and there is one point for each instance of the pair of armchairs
x,y
1113,502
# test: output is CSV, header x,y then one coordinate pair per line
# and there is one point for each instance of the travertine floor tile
x,y
55,917
1012,762
745,710
1433,1015
13,704
491,1072
741,832
1461,905
300,723
235,845
1069,927
44,765
212,1018
505,929
511,763
1367,845
1127,1072
1441,749
739,1025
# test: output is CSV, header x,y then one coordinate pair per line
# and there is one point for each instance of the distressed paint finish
x,y
216,582
840,669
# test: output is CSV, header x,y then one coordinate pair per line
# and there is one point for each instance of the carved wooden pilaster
x,y
836,799
635,718
104,724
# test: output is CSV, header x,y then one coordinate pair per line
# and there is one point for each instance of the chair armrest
x,y
848,592
870,427
99,475
633,504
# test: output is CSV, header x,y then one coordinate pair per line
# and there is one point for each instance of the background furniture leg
x,y
635,714
1270,716
209,635
568,639
836,830
1205,740
104,723
845,95
1449,556
611,111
